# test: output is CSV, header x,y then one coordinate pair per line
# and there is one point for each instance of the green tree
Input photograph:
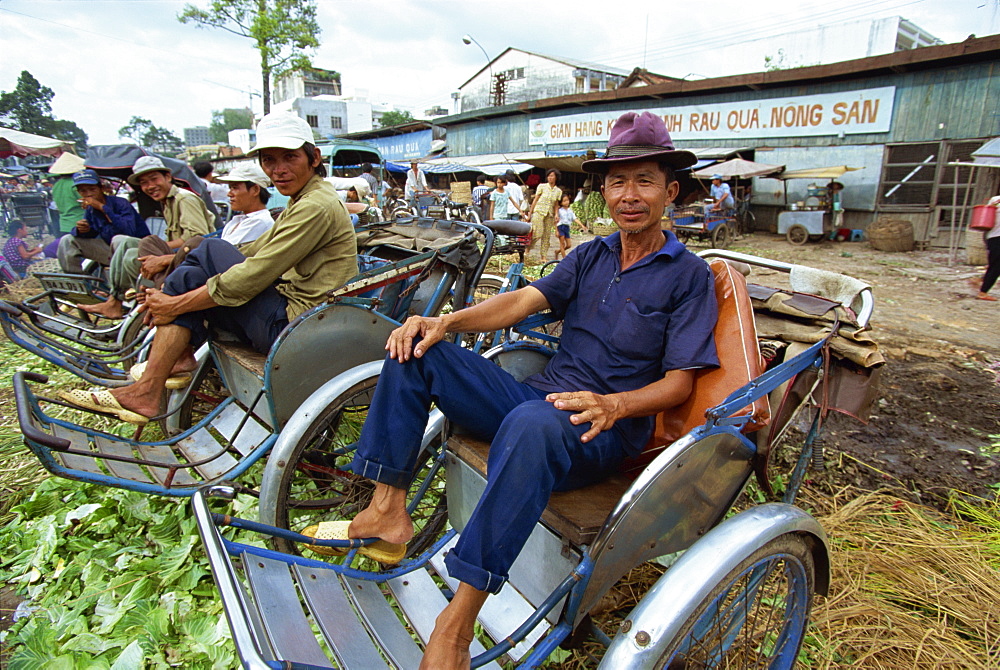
x,y
146,133
396,117
281,30
28,108
229,119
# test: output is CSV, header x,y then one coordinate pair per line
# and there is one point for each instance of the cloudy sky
x,y
107,60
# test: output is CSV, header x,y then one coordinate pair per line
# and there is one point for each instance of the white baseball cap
x,y
247,171
281,130
146,164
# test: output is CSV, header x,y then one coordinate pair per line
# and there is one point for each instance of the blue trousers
x,y
535,449
257,322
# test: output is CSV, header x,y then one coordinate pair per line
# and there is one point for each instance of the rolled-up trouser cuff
x,y
375,471
473,575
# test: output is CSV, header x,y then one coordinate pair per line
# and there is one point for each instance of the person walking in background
x,y
543,215
565,222
992,239
478,192
499,199
515,202
416,183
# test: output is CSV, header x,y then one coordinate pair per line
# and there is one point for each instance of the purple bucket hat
x,y
640,137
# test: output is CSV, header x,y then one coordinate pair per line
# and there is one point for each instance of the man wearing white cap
x,y
185,211
248,195
254,294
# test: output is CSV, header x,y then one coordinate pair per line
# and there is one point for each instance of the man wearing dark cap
x,y
638,311
105,217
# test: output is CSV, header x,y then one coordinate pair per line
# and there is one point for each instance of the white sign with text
x,y
848,112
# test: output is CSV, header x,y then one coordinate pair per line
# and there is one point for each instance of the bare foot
x,y
111,309
446,652
986,296
384,518
139,397
186,363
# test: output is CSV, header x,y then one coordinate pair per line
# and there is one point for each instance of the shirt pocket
x,y
638,335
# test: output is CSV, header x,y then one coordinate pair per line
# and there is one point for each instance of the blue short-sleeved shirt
x,y
625,330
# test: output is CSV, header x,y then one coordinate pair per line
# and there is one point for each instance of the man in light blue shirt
x,y
721,194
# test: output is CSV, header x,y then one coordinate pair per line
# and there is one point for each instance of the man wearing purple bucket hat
x,y
638,311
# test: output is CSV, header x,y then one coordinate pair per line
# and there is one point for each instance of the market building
x,y
902,117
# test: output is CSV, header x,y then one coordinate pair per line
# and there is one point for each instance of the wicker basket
x,y
461,191
891,235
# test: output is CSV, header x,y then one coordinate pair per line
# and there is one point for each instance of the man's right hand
x,y
400,343
153,265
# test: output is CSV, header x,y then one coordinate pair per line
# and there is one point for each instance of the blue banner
x,y
404,147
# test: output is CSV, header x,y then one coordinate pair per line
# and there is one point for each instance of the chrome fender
x,y
661,613
279,458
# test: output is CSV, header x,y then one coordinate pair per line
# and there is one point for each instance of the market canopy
x,y
831,172
15,143
740,169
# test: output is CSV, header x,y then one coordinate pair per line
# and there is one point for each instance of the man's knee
x,y
534,430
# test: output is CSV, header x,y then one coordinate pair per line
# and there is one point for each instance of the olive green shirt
x,y
186,215
311,247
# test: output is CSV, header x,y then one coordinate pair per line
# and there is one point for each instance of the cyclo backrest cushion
x,y
740,363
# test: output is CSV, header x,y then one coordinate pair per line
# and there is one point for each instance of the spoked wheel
x,y
131,332
548,267
755,617
319,486
487,287
683,235
207,393
797,234
720,236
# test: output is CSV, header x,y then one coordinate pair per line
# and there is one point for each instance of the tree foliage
x,y
395,117
229,119
146,133
282,31
28,108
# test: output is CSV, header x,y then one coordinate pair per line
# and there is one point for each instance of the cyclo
x,y
738,590
230,415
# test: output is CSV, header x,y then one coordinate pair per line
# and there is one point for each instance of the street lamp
x,y
469,39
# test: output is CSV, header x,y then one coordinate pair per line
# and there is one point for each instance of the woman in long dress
x,y
543,216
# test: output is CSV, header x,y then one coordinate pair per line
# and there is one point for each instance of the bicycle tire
x,y
319,486
755,616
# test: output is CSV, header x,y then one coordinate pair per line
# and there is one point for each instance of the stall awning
x,y
490,164
740,169
15,143
831,172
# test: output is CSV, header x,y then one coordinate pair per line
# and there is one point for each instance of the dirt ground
x,y
939,397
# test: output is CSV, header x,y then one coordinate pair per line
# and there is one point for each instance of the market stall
x,y
811,218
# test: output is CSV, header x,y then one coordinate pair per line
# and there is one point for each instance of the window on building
x,y
909,174
336,122
312,120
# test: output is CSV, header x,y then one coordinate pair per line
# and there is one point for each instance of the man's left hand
x,y
601,411
162,308
153,265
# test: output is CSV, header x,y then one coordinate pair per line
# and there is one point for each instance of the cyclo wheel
x,y
487,287
755,617
720,236
319,486
797,235
206,393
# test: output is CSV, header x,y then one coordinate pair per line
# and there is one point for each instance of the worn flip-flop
x,y
174,383
101,400
986,296
381,551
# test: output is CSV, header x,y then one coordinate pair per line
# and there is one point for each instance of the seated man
x,y
310,249
248,195
721,194
186,216
105,217
638,312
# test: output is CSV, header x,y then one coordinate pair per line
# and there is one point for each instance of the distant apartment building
x,y
197,136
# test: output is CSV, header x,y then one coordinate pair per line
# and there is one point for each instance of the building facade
x,y
902,117
305,84
197,136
